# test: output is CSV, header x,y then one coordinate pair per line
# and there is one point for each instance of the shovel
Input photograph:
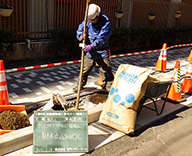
x,y
82,56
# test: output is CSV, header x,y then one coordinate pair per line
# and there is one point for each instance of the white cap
x,y
94,11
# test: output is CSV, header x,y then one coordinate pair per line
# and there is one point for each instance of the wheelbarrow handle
x,y
183,78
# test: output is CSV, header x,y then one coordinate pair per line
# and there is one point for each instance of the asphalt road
x,y
171,136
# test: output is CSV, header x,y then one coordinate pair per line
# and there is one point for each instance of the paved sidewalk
x,y
39,84
99,135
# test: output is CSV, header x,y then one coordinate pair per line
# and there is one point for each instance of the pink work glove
x,y
80,38
88,48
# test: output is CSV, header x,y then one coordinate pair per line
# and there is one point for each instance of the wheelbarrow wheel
x,y
140,107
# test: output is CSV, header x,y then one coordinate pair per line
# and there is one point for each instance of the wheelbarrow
x,y
155,90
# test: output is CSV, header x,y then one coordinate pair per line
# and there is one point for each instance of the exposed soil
x,y
85,101
98,98
13,120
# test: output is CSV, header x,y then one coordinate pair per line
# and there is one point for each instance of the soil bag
x,y
120,109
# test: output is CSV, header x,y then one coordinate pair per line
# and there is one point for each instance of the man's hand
x,y
88,48
80,38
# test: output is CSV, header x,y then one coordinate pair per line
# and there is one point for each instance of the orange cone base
x,y
160,66
174,96
165,70
100,81
18,108
187,86
4,98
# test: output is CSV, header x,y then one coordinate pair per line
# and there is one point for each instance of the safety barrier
x,y
78,61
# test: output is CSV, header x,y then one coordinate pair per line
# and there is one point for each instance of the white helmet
x,y
94,11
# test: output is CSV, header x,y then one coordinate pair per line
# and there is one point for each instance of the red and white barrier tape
x,y
78,61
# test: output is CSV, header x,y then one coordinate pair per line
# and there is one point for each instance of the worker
x,y
96,50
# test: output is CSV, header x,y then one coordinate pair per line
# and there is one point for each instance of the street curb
x,y
21,138
15,140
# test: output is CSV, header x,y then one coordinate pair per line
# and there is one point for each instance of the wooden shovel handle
x,y
82,56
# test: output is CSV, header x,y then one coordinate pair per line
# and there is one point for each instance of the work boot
x,y
75,89
108,85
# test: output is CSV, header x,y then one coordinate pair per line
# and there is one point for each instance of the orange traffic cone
x,y
187,83
162,61
100,81
4,98
175,90
190,55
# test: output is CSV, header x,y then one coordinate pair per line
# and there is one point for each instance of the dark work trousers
x,y
104,66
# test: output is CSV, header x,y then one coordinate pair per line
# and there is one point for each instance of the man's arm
x,y
80,30
103,36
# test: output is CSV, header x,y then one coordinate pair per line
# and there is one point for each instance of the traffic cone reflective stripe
x,y
189,70
176,76
178,84
187,82
4,98
190,55
175,71
159,65
175,90
162,60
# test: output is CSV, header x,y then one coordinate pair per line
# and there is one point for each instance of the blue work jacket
x,y
98,35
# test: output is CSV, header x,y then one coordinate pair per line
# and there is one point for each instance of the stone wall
x,y
29,51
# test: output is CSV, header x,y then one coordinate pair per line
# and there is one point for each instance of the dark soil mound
x,y
98,98
95,98
13,120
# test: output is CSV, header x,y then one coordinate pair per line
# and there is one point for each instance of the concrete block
x,y
94,113
24,137
15,140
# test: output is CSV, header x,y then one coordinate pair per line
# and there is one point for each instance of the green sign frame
x,y
60,131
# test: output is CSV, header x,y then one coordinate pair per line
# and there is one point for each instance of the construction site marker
x,y
79,61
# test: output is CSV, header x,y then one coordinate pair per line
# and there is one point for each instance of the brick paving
x,y
38,84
